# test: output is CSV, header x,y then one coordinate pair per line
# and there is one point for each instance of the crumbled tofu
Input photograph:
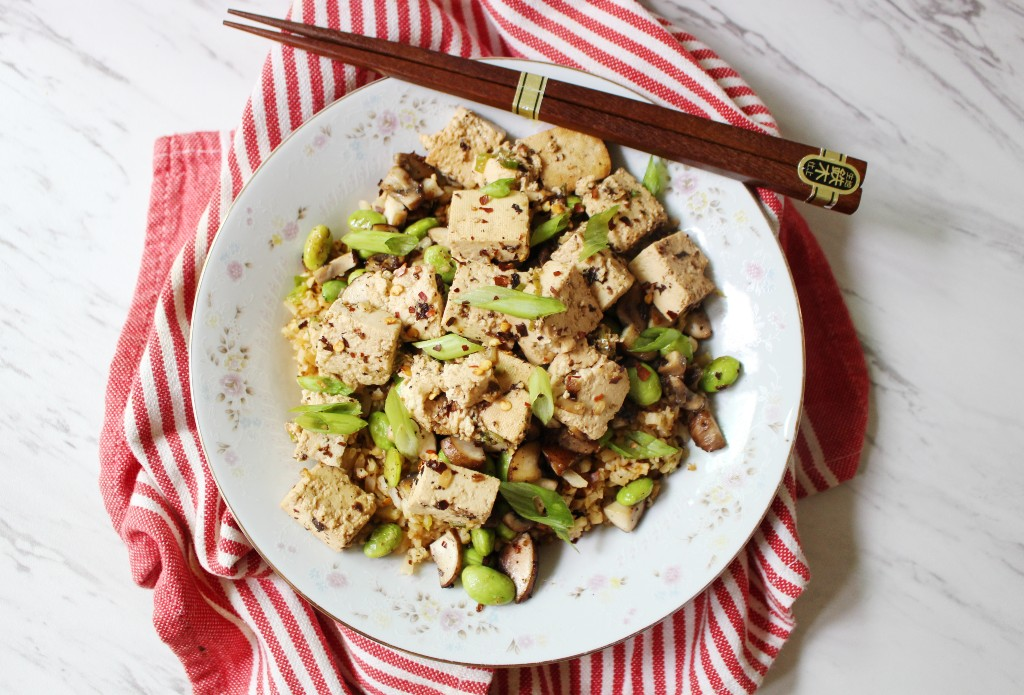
x,y
318,447
421,393
561,332
329,505
482,324
511,371
588,389
567,156
484,228
465,381
518,162
605,272
453,150
357,344
508,416
639,212
452,494
672,270
410,295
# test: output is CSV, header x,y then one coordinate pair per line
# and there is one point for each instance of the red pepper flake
x,y
484,199
643,373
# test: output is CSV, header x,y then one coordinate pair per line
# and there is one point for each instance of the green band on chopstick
x,y
529,95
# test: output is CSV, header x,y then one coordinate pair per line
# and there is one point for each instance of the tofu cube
x,y
357,344
567,156
672,270
465,381
329,505
508,417
453,150
511,371
317,447
415,300
588,388
484,228
482,324
423,396
561,332
452,494
639,212
605,272
370,289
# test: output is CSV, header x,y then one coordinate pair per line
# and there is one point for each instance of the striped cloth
x,y
235,625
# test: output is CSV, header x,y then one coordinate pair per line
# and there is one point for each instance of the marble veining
x,y
917,564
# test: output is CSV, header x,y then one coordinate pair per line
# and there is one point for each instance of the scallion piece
x,y
548,229
656,176
542,402
330,423
403,429
499,188
595,236
324,384
344,407
391,243
638,445
655,339
448,347
481,162
513,302
523,498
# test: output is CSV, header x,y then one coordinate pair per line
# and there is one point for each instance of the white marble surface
x,y
918,564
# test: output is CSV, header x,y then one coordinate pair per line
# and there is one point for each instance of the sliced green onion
x,y
481,162
403,429
595,236
499,188
324,384
683,345
344,407
330,423
391,243
548,229
542,402
655,339
638,445
448,347
656,175
523,498
513,302
298,289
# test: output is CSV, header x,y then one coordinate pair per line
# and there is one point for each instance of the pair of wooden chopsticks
x,y
819,176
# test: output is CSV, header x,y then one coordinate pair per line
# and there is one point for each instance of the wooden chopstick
x,y
759,160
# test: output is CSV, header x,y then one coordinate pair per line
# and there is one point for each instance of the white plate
x,y
243,383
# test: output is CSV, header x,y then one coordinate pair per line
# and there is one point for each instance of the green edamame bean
x,y
384,540
483,540
720,374
471,556
634,492
644,384
317,247
380,430
420,228
487,586
393,467
331,289
362,220
354,274
504,532
440,258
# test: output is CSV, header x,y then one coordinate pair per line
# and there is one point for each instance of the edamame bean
x,y
354,274
317,247
380,430
441,259
644,384
471,556
331,289
362,220
505,533
634,492
420,228
393,467
384,540
487,586
720,374
483,540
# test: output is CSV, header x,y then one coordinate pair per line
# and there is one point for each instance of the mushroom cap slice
x,y
447,554
463,453
518,560
625,518
524,466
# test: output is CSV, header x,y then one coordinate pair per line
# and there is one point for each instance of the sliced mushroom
x,y
463,453
705,431
394,211
675,364
524,466
697,324
559,458
438,235
516,522
402,187
518,560
574,479
632,310
574,440
339,266
447,554
415,164
625,518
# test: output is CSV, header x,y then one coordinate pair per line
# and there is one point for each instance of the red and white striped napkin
x,y
234,624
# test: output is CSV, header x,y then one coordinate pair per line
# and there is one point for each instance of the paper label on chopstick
x,y
829,176
529,95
